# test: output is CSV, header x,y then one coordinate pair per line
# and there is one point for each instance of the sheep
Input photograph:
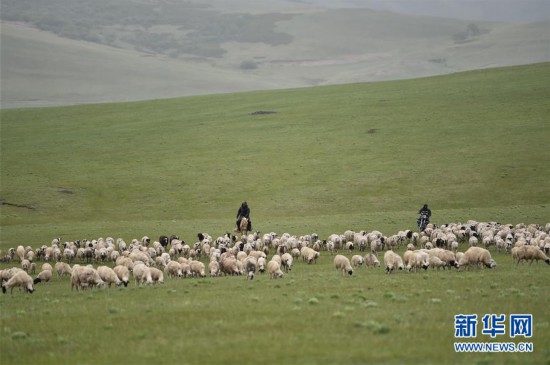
x,y
44,275
286,261
357,261
342,263
157,275
528,252
26,265
21,279
62,268
414,260
84,277
122,273
392,261
309,255
20,252
197,269
228,264
173,269
274,269
371,260
108,276
436,262
142,274
446,256
251,264
475,256
46,266
262,262
214,268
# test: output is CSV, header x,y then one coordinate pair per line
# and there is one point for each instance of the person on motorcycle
x,y
426,213
244,212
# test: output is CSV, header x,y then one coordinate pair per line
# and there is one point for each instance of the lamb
x,y
157,275
122,273
357,261
108,276
371,260
62,268
21,279
286,261
392,261
436,262
528,252
44,275
142,274
475,256
274,269
342,263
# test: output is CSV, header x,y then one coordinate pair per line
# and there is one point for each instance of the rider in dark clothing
x,y
244,211
425,211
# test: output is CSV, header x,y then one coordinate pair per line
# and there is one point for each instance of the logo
x,y
494,326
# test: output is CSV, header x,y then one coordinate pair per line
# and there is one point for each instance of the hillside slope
x,y
323,159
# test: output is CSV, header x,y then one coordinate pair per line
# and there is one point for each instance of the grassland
x,y
359,156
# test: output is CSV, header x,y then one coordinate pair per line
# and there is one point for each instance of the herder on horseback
x,y
244,212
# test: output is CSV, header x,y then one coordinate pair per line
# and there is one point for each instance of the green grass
x,y
311,316
359,156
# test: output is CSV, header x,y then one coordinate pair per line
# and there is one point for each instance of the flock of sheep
x,y
149,262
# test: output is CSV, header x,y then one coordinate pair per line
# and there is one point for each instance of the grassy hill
x,y
358,156
326,159
69,52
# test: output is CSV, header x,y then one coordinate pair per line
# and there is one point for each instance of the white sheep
x,y
214,268
142,274
342,263
262,263
309,255
197,269
392,261
371,260
84,277
475,256
108,276
62,268
357,261
44,275
286,261
529,253
20,279
122,273
156,275
173,269
274,269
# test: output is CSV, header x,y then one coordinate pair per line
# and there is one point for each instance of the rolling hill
x,y
325,159
59,53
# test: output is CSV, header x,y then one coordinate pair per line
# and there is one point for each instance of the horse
x,y
243,226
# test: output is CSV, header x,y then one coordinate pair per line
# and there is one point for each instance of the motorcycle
x,y
422,222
